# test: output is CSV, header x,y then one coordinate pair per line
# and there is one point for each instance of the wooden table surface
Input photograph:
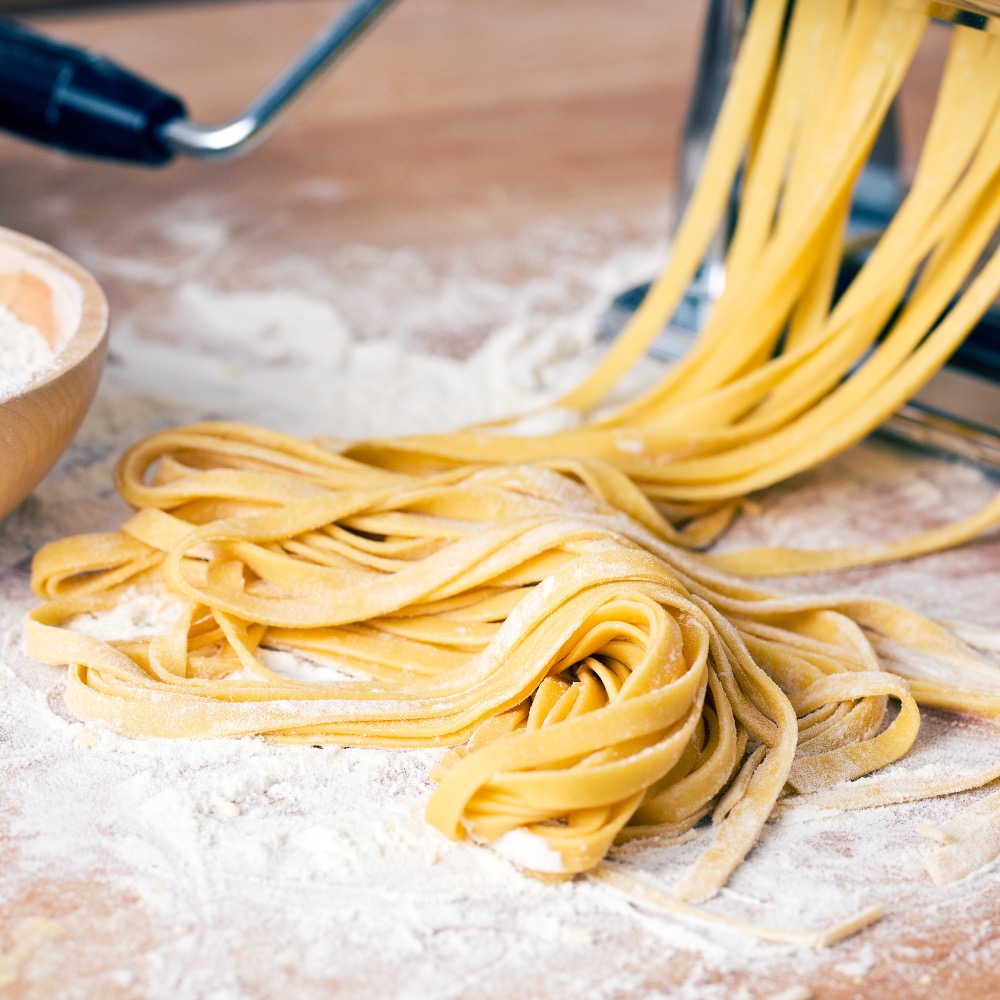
x,y
446,121
452,125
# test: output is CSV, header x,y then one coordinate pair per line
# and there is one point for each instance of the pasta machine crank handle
x,y
75,100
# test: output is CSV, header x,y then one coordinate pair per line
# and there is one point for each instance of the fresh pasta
x,y
537,605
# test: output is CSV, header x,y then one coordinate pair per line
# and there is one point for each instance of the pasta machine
x,y
958,411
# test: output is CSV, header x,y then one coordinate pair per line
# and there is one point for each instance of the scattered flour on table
x,y
229,869
526,850
24,352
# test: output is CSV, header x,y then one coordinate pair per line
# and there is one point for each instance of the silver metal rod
x,y
240,134
944,434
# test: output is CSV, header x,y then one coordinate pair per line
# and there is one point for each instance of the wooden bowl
x,y
58,297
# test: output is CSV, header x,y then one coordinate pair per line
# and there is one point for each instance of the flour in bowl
x,y
24,352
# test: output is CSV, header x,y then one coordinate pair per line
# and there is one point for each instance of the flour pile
x,y
24,352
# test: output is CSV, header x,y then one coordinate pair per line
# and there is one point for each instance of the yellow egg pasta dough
x,y
538,605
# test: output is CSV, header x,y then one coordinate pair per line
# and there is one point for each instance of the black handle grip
x,y
80,102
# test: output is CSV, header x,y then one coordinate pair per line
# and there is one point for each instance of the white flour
x,y
24,352
233,869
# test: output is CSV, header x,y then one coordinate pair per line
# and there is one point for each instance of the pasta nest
x,y
594,680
